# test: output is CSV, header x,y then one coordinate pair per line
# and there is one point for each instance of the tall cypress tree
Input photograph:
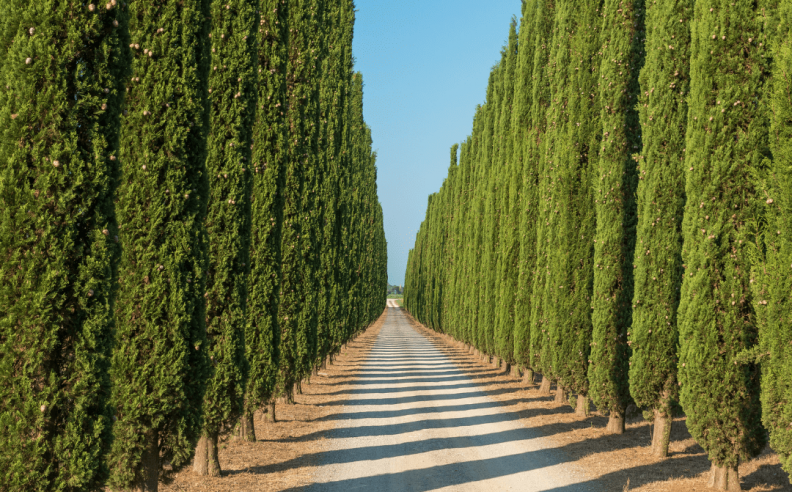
x,y
297,310
491,211
727,141
510,187
62,70
233,96
522,130
665,82
614,185
571,257
262,333
160,359
772,285
543,30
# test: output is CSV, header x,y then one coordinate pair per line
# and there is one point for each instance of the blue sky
x,y
425,67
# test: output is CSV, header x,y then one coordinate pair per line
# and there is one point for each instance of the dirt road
x,y
415,422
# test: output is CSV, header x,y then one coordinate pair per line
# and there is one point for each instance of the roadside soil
x,y
617,462
285,455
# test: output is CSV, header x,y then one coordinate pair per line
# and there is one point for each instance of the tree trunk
x,y
544,388
560,396
661,435
148,478
324,363
616,422
247,430
206,462
582,407
515,372
270,413
496,361
527,377
723,478
297,390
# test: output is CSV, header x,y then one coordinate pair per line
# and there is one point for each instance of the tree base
x,y
723,478
269,415
148,478
560,396
206,462
544,387
582,406
661,435
616,422
528,377
496,362
247,430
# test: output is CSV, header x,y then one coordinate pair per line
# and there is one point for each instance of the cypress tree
x,y
653,337
772,286
160,360
262,333
575,151
522,130
297,310
233,96
511,182
333,98
615,185
58,238
543,30
491,213
727,141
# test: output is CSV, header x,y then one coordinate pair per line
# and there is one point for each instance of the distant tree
x,y
160,359
726,144
59,171
653,336
615,183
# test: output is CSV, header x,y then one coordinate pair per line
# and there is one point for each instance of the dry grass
x,y
286,453
619,462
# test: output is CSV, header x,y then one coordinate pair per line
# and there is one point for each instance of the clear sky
x,y
425,67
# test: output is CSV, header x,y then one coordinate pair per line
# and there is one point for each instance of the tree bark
x,y
528,377
148,478
544,388
723,478
661,435
270,413
616,422
206,462
560,396
582,407
247,430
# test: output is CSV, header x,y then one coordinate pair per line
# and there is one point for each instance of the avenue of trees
x,y
618,221
189,227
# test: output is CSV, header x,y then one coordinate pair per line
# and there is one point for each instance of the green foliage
x,y
615,182
575,142
663,110
262,333
58,239
727,141
160,359
772,286
233,97
509,190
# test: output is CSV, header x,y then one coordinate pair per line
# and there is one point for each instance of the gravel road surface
x,y
414,422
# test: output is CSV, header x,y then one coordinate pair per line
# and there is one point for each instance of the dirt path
x,y
414,421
